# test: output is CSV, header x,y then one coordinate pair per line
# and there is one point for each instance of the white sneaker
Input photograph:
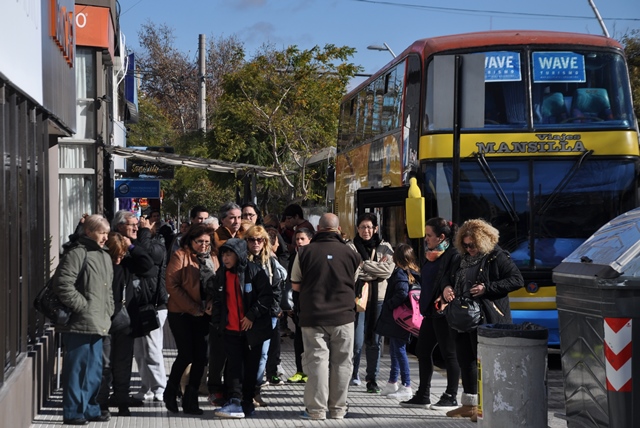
x,y
144,396
403,393
389,388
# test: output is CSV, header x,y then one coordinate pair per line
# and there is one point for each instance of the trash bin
x,y
512,375
598,299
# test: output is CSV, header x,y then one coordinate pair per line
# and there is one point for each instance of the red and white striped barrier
x,y
618,353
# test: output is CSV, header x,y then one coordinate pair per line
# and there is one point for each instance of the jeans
x,y
189,333
399,361
436,332
467,352
265,353
373,346
326,347
81,375
273,357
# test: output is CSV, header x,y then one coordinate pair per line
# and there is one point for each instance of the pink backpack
x,y
408,315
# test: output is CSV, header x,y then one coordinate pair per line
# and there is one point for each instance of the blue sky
x,y
360,23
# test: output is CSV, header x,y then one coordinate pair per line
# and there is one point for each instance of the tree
x,y
631,43
281,108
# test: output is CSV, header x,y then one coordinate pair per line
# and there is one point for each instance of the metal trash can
x,y
512,375
598,299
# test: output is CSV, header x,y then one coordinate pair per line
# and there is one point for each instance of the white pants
x,y
150,360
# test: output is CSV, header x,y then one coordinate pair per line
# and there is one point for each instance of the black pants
x,y
467,353
189,333
117,357
298,347
217,362
273,356
436,331
242,367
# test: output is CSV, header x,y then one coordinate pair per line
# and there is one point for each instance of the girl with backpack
x,y
404,278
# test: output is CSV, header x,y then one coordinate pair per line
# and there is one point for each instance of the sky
x,y
361,23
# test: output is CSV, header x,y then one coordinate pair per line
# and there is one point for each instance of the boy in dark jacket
x,y
242,299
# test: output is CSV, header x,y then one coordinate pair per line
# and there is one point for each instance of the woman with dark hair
x,y
439,257
251,212
486,274
189,273
376,267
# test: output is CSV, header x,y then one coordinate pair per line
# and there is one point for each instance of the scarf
x,y
468,266
207,272
365,249
432,255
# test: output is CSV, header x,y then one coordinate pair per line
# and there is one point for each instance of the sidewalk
x,y
285,405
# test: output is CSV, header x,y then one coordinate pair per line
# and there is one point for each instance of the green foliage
x,y
153,127
631,43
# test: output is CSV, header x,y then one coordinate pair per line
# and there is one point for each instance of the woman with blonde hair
x,y
260,252
486,274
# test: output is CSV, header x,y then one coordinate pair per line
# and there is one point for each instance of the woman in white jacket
x,y
376,268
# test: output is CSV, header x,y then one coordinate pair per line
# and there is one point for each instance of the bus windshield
x,y
538,224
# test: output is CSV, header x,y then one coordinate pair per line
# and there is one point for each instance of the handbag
x,y
463,314
362,295
48,303
408,314
147,320
121,320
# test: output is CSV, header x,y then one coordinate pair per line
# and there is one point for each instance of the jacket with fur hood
x,y
255,289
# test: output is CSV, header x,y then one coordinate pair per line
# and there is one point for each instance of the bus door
x,y
388,204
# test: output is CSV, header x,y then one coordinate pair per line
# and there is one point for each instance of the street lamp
x,y
381,48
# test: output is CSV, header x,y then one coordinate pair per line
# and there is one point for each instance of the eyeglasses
x,y
256,240
203,242
469,246
132,224
366,227
249,215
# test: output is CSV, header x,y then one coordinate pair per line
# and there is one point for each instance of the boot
x,y
190,401
474,416
170,398
468,409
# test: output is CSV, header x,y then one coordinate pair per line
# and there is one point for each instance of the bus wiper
x,y
563,183
502,197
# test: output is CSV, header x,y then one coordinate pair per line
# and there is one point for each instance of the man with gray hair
x,y
324,274
230,221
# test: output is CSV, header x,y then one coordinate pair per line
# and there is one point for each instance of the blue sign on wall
x,y
502,67
137,189
559,67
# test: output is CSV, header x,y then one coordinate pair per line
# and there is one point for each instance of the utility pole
x,y
599,18
202,71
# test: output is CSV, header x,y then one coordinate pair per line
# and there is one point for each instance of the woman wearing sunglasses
x,y
189,271
487,274
260,252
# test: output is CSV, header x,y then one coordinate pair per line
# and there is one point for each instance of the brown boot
x,y
474,416
469,407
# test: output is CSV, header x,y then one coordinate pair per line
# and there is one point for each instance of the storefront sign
x,y
137,189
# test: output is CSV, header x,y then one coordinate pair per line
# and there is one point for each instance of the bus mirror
x,y
414,210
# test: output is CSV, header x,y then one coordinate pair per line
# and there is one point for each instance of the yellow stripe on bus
x,y
544,298
440,146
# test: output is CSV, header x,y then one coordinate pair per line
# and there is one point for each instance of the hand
x,y
126,240
477,290
208,308
144,223
246,324
448,294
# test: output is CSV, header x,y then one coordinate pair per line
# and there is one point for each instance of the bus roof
x,y
495,38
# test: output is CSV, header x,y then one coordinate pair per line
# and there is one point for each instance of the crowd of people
x,y
227,284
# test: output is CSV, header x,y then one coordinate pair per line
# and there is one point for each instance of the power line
x,y
485,12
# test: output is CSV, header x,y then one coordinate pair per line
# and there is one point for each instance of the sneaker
x,y
304,378
355,382
216,399
275,381
296,378
446,402
372,387
417,402
403,393
389,388
335,414
233,409
321,416
145,396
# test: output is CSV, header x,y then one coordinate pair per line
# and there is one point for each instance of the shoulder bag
x,y
121,320
463,314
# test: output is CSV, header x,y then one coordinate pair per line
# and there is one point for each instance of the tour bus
x,y
532,131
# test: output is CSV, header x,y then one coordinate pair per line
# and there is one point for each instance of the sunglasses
x,y
470,246
256,240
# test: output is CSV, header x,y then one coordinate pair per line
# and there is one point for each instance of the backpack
x,y
48,303
408,314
